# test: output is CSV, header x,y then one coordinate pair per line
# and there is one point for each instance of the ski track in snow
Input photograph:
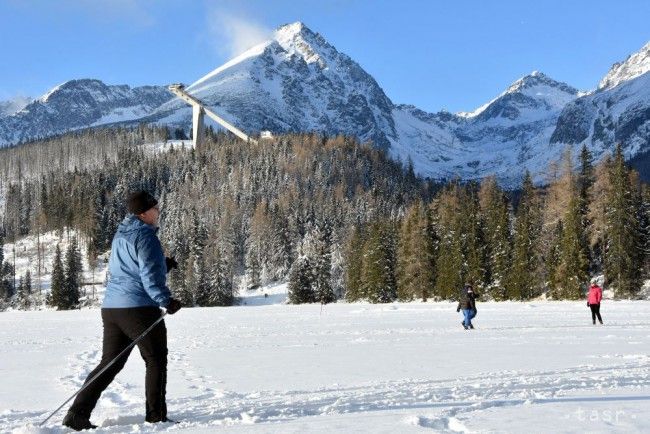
x,y
455,397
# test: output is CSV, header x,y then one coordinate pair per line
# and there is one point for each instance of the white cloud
x,y
232,34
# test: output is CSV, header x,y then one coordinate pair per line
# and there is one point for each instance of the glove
x,y
171,264
173,306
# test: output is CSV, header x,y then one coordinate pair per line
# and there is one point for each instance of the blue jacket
x,y
137,271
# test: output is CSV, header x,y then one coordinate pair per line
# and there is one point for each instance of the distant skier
x,y
135,292
467,304
593,301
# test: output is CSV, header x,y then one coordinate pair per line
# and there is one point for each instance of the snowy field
x,y
397,368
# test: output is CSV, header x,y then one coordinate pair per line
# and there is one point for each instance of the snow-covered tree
x,y
73,270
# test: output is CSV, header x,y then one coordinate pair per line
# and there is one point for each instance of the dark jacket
x,y
137,269
467,299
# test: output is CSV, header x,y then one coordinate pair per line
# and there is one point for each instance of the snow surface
x,y
93,279
122,114
528,367
161,147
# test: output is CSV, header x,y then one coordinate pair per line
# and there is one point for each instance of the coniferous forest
x,y
335,218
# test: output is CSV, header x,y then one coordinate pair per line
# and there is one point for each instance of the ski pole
x,y
87,383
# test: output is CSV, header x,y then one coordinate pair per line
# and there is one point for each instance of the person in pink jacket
x,y
593,301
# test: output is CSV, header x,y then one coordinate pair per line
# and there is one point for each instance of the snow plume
x,y
13,105
232,33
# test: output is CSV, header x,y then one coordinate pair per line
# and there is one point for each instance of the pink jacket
x,y
595,294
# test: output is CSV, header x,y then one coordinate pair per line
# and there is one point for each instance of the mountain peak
x,y
635,65
299,39
292,29
537,78
72,84
534,86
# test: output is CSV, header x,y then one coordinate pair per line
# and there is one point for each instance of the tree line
x,y
585,222
338,219
234,214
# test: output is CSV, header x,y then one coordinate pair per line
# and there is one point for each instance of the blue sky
x,y
453,55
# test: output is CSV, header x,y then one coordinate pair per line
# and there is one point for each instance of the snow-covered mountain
x,y
7,108
617,112
297,81
634,66
80,104
503,137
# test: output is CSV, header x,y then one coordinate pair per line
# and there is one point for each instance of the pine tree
x,y
496,229
523,280
5,284
644,219
221,284
415,262
378,276
622,257
572,270
300,288
58,295
73,270
354,265
552,262
28,283
195,289
320,256
23,293
586,180
597,217
257,246
450,261
473,245
100,237
203,288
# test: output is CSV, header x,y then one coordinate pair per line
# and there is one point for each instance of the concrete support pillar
x,y
198,128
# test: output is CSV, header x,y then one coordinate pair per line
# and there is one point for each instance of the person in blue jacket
x,y
135,292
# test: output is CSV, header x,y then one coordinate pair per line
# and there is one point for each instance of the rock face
x,y
296,82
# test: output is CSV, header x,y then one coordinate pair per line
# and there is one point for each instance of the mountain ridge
x,y
297,81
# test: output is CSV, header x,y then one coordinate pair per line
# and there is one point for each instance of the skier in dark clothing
x,y
467,304
593,301
135,292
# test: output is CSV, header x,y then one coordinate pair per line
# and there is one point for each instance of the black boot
x,y
163,420
77,422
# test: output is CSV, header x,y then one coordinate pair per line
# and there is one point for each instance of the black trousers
x,y
121,327
595,312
